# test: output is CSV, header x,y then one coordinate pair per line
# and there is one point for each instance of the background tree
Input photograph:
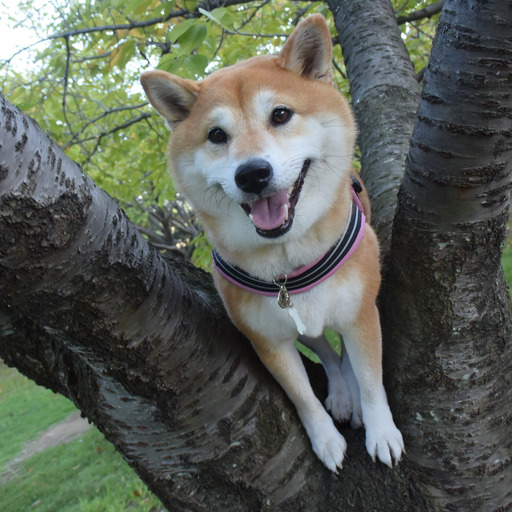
x,y
129,337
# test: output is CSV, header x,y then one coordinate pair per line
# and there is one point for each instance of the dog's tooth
x,y
286,212
250,217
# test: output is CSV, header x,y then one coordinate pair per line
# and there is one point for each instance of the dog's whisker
x,y
334,122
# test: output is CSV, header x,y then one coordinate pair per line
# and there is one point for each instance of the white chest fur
x,y
327,305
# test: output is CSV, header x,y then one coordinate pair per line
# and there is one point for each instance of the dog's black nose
x,y
254,175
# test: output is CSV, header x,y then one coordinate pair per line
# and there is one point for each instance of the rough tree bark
x,y
385,96
447,303
147,353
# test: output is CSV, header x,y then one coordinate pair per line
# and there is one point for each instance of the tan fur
x,y
239,100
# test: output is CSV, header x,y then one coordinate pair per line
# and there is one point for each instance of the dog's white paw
x,y
356,421
356,417
339,402
329,446
386,443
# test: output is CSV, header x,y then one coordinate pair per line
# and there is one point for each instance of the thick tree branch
x,y
82,293
385,95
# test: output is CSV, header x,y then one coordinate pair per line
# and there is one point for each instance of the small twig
x,y
399,9
426,12
251,16
300,14
339,70
94,57
101,116
120,26
420,74
145,115
65,86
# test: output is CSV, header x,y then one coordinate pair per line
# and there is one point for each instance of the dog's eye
x,y
281,115
217,136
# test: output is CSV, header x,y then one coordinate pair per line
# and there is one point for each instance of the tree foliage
x,y
80,82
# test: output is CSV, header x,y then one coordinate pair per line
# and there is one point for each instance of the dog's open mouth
x,y
273,216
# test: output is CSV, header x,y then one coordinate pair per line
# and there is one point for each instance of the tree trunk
x,y
385,96
447,304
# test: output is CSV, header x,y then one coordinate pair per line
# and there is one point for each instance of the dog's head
x,y
260,148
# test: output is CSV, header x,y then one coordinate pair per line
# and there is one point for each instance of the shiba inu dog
x,y
262,150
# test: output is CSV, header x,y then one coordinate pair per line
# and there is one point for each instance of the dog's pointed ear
x,y
308,50
172,96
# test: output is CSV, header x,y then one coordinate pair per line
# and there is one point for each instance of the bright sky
x,y
12,39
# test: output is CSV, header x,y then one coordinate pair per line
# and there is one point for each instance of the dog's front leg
x,y
362,341
339,400
285,364
356,421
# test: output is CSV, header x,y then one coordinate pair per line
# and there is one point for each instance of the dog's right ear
x,y
172,96
308,50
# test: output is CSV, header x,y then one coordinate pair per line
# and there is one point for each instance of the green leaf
x,y
127,53
130,7
216,15
196,64
193,38
142,7
179,29
167,8
189,34
169,63
122,54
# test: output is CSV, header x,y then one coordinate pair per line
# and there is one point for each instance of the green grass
x,y
332,337
507,262
85,475
25,410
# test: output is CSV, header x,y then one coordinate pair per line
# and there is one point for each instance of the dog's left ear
x,y
173,97
308,50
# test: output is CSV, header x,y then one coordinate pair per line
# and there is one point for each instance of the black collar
x,y
308,276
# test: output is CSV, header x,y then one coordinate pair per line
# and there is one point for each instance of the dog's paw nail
x,y
340,405
330,449
387,446
356,421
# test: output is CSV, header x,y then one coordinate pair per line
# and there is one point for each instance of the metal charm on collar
x,y
283,298
284,301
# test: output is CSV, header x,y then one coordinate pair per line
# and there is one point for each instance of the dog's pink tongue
x,y
270,212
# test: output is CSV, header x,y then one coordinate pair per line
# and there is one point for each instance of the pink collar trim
x,y
307,276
